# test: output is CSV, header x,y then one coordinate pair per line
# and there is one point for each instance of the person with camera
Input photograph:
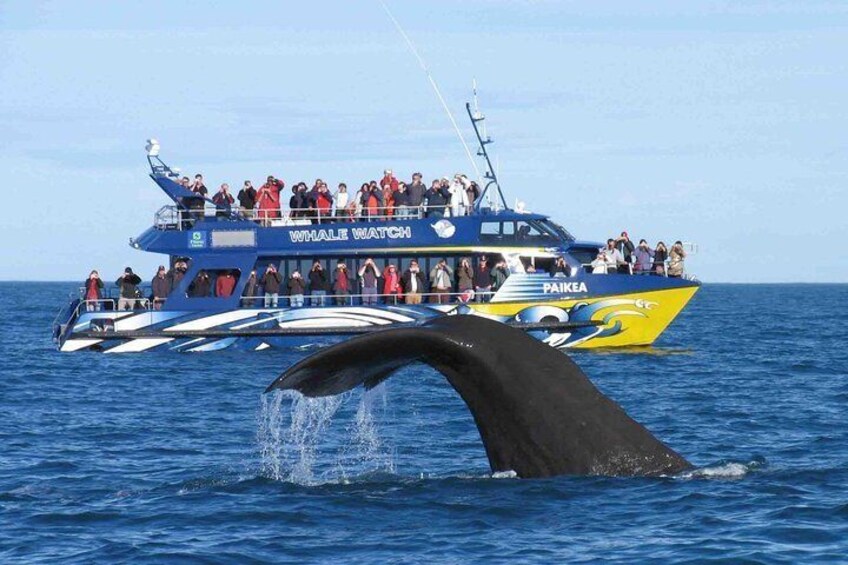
x,y
435,199
413,283
560,268
482,280
128,286
391,284
644,259
297,288
500,272
660,256
249,292
626,248
271,282
341,284
93,292
223,201
161,287
318,284
372,201
440,281
615,260
201,286
675,260
369,281
247,199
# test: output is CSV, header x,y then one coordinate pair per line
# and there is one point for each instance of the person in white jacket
x,y
341,199
459,196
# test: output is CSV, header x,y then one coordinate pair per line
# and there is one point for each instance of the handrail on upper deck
x,y
175,218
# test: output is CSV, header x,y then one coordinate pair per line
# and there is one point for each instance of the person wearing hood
x,y
93,292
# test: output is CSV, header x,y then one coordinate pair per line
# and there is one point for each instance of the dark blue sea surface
x,y
158,457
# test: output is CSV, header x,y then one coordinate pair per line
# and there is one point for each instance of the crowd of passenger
x,y
370,285
469,279
621,256
367,285
387,199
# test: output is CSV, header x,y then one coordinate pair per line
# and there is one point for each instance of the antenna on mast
x,y
483,139
434,85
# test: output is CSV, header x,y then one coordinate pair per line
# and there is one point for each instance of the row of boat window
x,y
205,283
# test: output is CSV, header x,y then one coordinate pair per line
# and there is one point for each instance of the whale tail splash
x,y
537,412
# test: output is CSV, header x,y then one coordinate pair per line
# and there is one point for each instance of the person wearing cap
x,y
161,285
389,178
128,285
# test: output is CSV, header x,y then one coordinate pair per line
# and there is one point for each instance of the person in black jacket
x,y
435,200
128,285
319,284
161,286
247,199
271,281
201,286
415,191
297,203
414,283
561,267
482,281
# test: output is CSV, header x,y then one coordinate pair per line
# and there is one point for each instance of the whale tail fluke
x,y
537,413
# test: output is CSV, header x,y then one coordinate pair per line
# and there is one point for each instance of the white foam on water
x,y
505,474
365,451
723,471
296,444
288,438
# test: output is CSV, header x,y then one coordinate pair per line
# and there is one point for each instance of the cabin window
x,y
214,283
538,264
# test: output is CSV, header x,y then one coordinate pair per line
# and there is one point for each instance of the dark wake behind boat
x,y
570,308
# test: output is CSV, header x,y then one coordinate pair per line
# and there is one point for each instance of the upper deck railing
x,y
176,218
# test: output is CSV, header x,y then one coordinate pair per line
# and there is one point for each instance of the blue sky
x,y
720,123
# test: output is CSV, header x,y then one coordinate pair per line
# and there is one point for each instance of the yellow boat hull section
x,y
643,316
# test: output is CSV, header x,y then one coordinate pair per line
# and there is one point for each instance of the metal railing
x,y
365,299
175,218
612,269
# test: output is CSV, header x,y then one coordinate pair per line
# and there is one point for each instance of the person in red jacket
x,y
389,178
324,203
274,187
268,202
225,284
391,285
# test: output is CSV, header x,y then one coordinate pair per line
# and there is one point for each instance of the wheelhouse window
x,y
535,232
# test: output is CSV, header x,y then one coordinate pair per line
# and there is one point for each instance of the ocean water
x,y
179,457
